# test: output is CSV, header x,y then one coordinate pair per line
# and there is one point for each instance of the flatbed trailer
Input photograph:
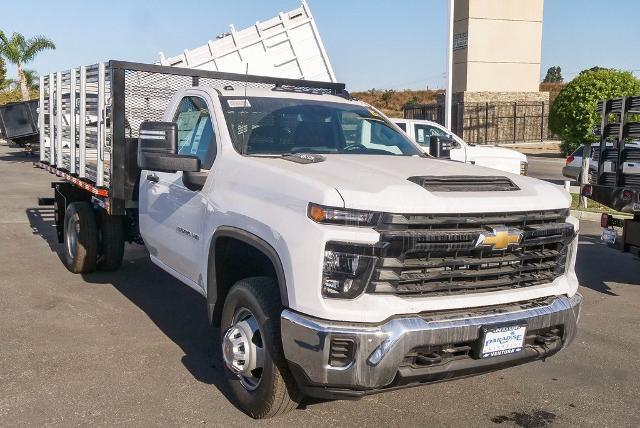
x,y
616,182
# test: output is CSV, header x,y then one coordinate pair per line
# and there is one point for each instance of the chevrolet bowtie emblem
x,y
499,238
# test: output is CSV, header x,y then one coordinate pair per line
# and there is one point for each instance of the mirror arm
x,y
194,181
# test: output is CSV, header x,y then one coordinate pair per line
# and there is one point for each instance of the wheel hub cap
x,y
72,236
243,351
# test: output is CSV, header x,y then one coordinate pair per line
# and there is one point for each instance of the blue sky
x,y
381,44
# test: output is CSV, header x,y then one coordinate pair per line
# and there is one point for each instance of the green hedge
x,y
573,114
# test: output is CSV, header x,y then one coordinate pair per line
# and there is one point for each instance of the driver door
x,y
171,215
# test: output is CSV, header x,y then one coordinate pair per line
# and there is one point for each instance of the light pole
x,y
447,95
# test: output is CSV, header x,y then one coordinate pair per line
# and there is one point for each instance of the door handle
x,y
153,177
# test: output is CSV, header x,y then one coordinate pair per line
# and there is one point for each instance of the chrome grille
x,y
440,254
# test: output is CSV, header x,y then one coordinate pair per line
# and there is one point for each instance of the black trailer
x,y
19,122
616,183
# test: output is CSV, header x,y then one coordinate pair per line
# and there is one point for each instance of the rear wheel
x,y
259,376
111,248
80,238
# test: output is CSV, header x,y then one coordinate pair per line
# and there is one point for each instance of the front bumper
x,y
382,353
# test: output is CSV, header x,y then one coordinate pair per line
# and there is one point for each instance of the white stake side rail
x,y
74,137
288,46
89,119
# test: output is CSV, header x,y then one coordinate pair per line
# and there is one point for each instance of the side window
x,y
196,135
402,126
423,132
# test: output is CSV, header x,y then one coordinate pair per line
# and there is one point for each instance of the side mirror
x,y
158,147
441,147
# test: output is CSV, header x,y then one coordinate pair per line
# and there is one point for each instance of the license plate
x,y
502,340
609,236
636,206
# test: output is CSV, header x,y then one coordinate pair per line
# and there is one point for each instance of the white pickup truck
x,y
336,257
482,155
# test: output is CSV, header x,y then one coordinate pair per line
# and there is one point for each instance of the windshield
x,y
277,126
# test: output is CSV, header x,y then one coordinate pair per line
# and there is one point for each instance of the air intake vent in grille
x,y
342,352
465,183
445,254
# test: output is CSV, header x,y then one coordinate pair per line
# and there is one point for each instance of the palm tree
x,y
3,75
32,78
20,51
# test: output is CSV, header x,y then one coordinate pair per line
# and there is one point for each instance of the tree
x,y
554,75
32,79
20,51
386,96
3,75
596,68
573,114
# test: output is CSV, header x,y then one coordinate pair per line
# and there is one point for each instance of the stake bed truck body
x,y
337,258
615,182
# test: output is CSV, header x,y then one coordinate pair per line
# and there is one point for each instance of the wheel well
x,y
235,259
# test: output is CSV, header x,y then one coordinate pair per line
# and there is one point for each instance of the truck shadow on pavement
x,y
177,310
597,265
19,155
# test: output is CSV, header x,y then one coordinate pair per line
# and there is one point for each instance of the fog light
x,y
337,286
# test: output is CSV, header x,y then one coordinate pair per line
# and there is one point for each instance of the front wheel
x,y
259,376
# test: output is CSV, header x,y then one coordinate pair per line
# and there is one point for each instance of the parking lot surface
x,y
132,347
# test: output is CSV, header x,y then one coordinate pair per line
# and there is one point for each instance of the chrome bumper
x,y
380,349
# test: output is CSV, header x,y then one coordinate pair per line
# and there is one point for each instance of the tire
x,y
111,242
276,392
80,238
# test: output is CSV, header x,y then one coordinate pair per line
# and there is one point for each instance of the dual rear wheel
x,y
93,239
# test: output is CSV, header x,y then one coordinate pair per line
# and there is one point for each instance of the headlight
x,y
346,217
346,275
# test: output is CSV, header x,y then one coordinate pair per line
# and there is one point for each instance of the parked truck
x,y
615,181
19,123
427,134
337,259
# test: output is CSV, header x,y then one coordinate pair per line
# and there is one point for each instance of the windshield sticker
x,y
420,135
238,103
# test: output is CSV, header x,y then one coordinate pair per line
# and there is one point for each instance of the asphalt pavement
x,y
132,347
547,168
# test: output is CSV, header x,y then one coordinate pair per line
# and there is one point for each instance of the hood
x,y
380,183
